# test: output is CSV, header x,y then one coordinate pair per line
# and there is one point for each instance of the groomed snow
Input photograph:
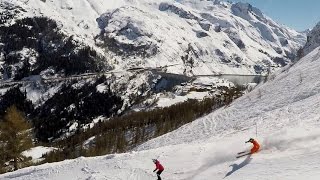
x,y
283,115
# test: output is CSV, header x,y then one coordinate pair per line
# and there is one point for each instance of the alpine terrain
x,y
175,84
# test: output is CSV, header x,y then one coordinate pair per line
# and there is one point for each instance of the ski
x,y
243,155
242,152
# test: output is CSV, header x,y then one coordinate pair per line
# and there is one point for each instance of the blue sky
x,y
297,14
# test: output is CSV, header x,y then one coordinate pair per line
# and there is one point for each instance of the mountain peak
x,y
244,9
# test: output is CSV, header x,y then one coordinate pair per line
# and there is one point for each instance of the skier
x,y
255,147
159,167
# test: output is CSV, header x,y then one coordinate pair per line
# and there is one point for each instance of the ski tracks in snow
x,y
138,174
93,175
208,126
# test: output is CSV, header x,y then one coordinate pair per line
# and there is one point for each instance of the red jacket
x,y
255,147
159,166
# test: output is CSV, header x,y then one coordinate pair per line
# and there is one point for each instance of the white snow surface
x,y
37,152
167,100
283,115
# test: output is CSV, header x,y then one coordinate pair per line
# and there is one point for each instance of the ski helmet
x,y
154,160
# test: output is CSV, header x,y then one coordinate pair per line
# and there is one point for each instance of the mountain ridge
x,y
277,47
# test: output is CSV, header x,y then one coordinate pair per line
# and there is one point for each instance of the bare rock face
x,y
313,39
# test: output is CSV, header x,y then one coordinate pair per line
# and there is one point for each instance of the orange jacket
x,y
255,147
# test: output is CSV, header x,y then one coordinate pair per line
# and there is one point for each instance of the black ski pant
x,y
158,174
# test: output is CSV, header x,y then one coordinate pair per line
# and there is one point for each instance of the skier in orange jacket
x,y
255,147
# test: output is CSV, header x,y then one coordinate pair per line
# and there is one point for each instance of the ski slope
x,y
282,114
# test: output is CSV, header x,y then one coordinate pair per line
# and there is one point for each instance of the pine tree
x,y
15,136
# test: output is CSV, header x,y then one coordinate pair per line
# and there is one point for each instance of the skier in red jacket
x,y
255,147
159,167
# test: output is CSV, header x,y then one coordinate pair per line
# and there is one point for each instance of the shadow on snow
x,y
236,167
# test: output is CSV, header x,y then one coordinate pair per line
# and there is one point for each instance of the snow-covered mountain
x,y
282,114
201,37
44,42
